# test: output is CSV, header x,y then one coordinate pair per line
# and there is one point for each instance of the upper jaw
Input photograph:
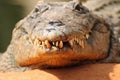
x,y
57,45
51,45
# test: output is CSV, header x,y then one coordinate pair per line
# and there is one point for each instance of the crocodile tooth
x,y
30,41
47,44
57,43
87,36
43,43
36,42
82,44
53,43
71,42
61,44
77,40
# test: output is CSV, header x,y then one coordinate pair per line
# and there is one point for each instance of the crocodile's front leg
x,y
8,62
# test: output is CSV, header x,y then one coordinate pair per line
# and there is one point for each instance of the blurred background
x,y
11,11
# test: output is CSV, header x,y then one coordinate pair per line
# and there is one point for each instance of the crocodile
x,y
59,34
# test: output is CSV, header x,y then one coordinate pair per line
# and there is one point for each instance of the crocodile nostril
x,y
51,23
56,23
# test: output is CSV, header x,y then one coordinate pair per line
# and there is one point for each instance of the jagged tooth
x,y
61,44
57,44
30,41
82,43
87,36
37,45
47,44
77,40
71,42
43,43
53,43
36,42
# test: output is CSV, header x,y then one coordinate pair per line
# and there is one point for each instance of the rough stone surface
x,y
83,72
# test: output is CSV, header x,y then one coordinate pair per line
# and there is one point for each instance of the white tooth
x,y
53,43
61,44
87,36
30,41
47,44
36,42
77,40
71,42
37,45
82,44
57,43
43,43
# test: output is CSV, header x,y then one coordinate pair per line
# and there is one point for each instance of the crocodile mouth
x,y
50,45
60,44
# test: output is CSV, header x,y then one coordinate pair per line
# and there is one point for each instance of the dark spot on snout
x,y
36,10
49,30
55,23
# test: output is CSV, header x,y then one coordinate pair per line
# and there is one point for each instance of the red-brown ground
x,y
83,72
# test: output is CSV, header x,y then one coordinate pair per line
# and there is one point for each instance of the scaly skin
x,y
56,35
109,9
106,8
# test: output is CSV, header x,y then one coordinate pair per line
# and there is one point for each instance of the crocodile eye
x,y
80,8
74,5
77,6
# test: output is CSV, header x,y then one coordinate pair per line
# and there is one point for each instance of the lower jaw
x,y
52,59
59,58
56,60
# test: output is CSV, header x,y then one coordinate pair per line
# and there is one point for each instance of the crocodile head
x,y
60,34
